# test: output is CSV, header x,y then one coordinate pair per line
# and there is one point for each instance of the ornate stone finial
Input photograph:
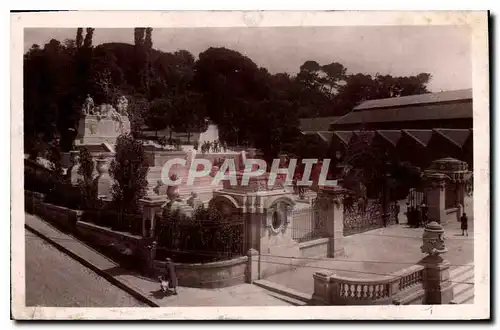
x,y
433,240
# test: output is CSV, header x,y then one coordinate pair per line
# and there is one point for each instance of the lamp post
x,y
385,194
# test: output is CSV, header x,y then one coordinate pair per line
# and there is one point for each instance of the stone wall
x,y
314,249
122,247
62,216
209,275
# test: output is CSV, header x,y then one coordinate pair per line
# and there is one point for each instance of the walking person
x,y
464,224
171,276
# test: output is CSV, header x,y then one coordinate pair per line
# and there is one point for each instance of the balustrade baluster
x,y
370,291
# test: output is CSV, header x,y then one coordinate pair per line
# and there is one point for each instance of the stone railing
x,y
331,289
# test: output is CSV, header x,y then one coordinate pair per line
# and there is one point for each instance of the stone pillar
x,y
252,271
322,289
436,197
436,277
437,285
330,207
150,206
103,178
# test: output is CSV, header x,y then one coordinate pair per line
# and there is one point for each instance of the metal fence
x,y
125,222
307,224
361,218
200,239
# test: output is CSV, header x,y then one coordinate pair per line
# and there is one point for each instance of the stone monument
x,y
101,125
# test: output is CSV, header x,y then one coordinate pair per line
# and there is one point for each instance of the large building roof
x,y
408,113
413,100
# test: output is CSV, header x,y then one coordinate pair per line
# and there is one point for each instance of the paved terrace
x,y
379,252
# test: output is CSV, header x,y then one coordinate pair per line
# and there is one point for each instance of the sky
x,y
442,51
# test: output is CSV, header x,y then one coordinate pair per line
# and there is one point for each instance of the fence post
x,y
148,255
331,201
252,271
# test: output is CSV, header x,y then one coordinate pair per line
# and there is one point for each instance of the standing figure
x,y
171,277
424,214
464,225
396,211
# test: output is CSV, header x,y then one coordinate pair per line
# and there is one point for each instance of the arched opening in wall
x,y
277,221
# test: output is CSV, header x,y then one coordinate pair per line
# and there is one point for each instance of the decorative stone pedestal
x,y
94,130
436,277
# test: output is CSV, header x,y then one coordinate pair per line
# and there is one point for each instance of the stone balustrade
x,y
331,289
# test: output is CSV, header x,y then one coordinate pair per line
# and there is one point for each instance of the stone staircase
x,y
462,282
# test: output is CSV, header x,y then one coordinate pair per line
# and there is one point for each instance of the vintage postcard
x,y
250,165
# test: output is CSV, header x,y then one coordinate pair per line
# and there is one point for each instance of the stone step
x,y
287,299
466,297
410,295
462,283
301,297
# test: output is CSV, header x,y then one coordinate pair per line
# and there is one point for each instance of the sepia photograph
x,y
320,164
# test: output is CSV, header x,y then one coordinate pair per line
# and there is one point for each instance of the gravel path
x,y
54,279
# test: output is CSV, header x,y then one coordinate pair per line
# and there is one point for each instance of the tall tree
x,y
87,43
79,37
148,41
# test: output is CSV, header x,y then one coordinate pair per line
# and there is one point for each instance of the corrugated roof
x,y
412,113
449,96
344,136
326,136
422,136
316,124
391,136
456,136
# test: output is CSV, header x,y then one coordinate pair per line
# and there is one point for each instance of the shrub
x,y
129,170
87,183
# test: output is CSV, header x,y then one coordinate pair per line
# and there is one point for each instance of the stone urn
x,y
433,240
101,166
103,178
75,165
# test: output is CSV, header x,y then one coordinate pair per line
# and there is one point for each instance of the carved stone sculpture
x,y
88,106
122,105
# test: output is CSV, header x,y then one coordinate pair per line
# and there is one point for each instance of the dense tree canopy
x,y
250,105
